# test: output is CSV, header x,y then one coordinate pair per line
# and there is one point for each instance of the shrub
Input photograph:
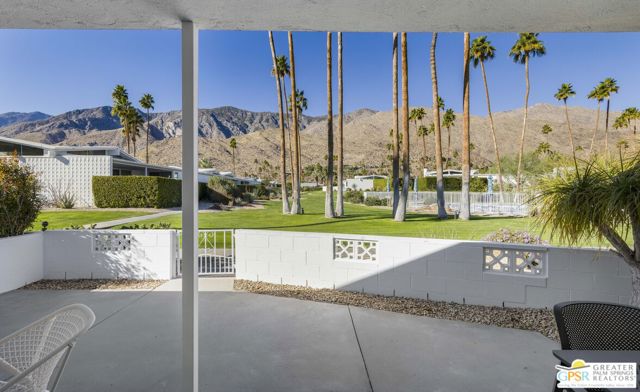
x,y
20,200
61,198
375,201
380,185
136,192
223,190
352,196
428,184
262,192
514,237
247,197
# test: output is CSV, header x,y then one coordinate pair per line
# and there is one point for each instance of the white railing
x,y
481,202
216,253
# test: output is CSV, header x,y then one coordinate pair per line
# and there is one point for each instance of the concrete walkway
x,y
133,219
251,342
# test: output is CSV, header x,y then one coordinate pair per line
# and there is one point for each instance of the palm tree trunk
x,y
395,162
424,148
593,137
606,130
448,145
328,200
402,204
283,146
147,147
524,124
493,131
288,119
465,203
296,208
573,150
340,201
442,212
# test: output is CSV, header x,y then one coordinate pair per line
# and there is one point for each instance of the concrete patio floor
x,y
251,342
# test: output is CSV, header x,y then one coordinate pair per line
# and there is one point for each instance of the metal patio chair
x,y
33,358
597,326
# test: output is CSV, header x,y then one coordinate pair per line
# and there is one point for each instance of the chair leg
x,y
58,374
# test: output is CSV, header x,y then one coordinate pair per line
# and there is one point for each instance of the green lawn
x,y
61,219
359,220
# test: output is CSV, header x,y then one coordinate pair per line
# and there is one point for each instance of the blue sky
x,y
57,71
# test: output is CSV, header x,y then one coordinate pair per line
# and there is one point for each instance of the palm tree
x,y
465,203
340,199
233,144
328,201
482,51
402,204
632,114
609,86
296,207
395,160
622,145
417,114
301,105
276,72
598,94
622,121
565,92
448,121
120,108
436,101
528,45
134,123
546,130
281,71
423,132
147,102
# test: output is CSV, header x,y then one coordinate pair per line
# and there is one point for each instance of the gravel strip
x,y
93,284
538,320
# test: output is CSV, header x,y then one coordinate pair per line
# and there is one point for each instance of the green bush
x,y
428,184
375,201
223,190
352,196
136,192
19,197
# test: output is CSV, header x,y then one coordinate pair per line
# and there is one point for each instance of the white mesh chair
x,y
30,356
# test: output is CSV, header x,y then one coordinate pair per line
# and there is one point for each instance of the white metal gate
x,y
216,253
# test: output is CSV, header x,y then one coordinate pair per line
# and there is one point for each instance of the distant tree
x,y
622,145
328,201
395,156
423,132
609,86
436,102
528,45
279,70
544,148
465,202
340,198
296,206
448,121
565,92
120,109
147,102
481,52
133,123
233,144
406,174
598,93
632,114
546,130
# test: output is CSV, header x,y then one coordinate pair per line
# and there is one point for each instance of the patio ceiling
x,y
338,15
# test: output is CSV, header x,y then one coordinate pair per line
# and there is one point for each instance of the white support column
x,y
189,207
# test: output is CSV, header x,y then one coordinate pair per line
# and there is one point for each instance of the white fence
x,y
21,261
216,253
471,272
86,254
514,204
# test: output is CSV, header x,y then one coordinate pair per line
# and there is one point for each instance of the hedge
x,y
136,192
428,184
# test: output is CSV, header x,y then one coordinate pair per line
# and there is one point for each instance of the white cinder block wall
x,y
74,254
429,268
20,261
71,173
